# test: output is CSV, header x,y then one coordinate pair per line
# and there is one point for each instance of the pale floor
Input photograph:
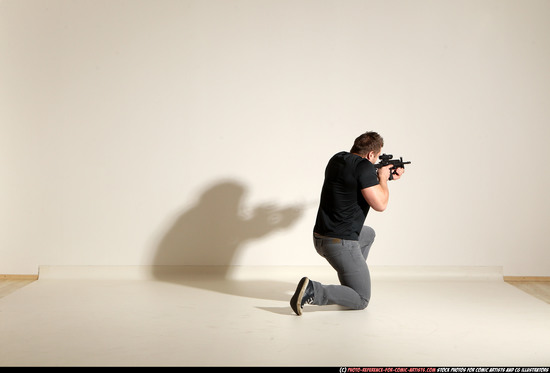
x,y
211,321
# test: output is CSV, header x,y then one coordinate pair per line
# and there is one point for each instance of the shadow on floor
x,y
218,279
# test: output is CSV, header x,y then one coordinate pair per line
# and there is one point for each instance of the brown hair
x,y
367,142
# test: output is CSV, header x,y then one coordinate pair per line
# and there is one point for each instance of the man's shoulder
x,y
347,156
341,154
365,164
352,160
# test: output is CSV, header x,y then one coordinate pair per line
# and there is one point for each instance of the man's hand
x,y
384,173
398,173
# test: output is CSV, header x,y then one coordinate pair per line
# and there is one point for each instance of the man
x,y
352,186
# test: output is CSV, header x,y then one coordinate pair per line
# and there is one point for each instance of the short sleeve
x,y
366,175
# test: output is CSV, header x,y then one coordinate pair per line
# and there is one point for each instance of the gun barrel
x,y
394,162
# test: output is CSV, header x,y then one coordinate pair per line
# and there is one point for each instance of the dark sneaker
x,y
303,295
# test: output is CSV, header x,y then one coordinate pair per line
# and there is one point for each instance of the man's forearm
x,y
384,193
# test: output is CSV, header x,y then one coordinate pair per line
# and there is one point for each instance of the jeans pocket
x,y
330,251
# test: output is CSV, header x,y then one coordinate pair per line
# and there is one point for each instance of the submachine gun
x,y
386,159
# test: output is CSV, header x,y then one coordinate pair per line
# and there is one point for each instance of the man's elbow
x,y
379,207
376,197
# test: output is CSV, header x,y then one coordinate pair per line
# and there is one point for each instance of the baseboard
x,y
383,273
18,277
527,278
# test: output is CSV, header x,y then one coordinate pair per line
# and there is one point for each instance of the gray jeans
x,y
348,258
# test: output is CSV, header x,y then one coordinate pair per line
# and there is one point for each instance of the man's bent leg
x,y
366,239
348,261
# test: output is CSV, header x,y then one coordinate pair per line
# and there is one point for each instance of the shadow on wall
x,y
211,232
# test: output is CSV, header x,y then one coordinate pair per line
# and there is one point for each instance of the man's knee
x,y
366,238
364,303
367,233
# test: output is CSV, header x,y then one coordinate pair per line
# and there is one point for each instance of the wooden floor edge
x,y
18,277
527,278
506,278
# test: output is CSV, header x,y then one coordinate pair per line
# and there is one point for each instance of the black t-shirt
x,y
343,208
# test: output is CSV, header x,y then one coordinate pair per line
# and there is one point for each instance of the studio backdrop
x,y
181,132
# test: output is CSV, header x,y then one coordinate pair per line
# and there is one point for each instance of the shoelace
x,y
308,301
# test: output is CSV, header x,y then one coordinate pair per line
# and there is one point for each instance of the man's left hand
x,y
398,173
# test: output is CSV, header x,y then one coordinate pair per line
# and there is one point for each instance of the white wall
x,y
158,132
